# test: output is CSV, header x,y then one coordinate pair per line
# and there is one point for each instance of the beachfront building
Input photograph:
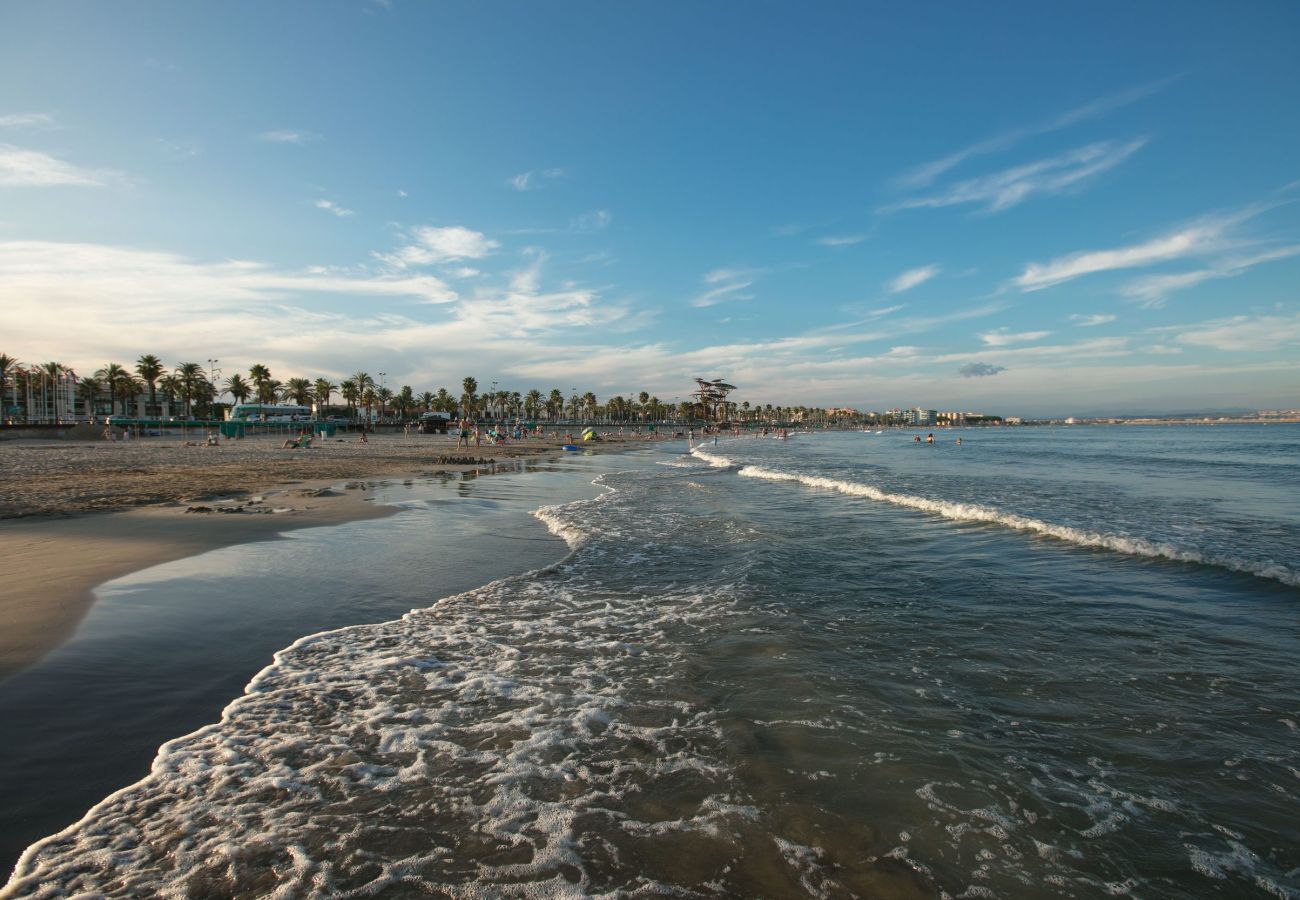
x,y
917,416
951,418
41,395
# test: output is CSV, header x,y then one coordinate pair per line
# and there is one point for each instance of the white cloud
x,y
1088,321
928,173
844,240
402,193
1244,333
26,120
534,179
331,206
1152,290
725,285
596,220
288,137
912,278
31,168
1000,337
429,245
1003,190
1200,238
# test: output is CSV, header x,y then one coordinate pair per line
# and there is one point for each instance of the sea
x,y
1043,662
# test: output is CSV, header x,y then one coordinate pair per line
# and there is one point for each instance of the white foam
x,y
970,512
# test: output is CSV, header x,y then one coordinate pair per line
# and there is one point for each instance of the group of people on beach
x,y
929,439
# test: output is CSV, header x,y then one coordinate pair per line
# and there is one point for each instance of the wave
x,y
971,512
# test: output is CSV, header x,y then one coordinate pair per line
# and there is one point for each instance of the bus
x,y
268,412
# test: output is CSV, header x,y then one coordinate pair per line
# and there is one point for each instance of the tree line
x,y
188,383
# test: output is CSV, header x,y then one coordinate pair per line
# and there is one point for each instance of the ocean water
x,y
1047,662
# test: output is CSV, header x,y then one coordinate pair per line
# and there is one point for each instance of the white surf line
x,y
969,512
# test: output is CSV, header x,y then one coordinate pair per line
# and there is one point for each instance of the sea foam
x,y
970,512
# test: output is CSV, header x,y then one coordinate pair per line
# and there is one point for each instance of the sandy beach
x,y
76,514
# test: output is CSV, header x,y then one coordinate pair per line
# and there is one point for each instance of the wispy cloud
x,y
1001,337
1054,175
45,270
912,278
928,173
595,220
726,284
31,168
979,370
1205,236
843,240
429,245
331,206
1152,290
1243,333
1088,321
288,137
534,179
27,120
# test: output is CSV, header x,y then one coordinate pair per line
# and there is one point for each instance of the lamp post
x,y
383,382
213,372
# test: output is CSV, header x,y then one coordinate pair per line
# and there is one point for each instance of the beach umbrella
x,y
588,434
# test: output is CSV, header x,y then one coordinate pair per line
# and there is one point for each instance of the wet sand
x,y
76,514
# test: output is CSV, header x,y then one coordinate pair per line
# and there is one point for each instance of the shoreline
x,y
75,517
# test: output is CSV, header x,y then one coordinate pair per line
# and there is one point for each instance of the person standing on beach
x,y
463,437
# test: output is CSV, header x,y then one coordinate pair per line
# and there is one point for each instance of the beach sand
x,y
74,515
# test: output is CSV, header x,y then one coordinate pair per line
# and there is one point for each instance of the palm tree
x,y
383,395
238,388
348,388
554,403
300,389
426,401
533,403
589,403
128,387
111,375
260,375
369,398
171,388
190,375
405,401
322,390
469,386
268,391
8,367
364,385
51,371
88,391
445,401
150,368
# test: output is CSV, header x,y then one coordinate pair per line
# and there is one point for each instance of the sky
x,y
1065,208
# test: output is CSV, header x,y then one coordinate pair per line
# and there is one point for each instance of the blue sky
x,y
1036,208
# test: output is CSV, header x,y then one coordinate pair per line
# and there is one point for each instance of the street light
x,y
382,385
213,372
494,401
